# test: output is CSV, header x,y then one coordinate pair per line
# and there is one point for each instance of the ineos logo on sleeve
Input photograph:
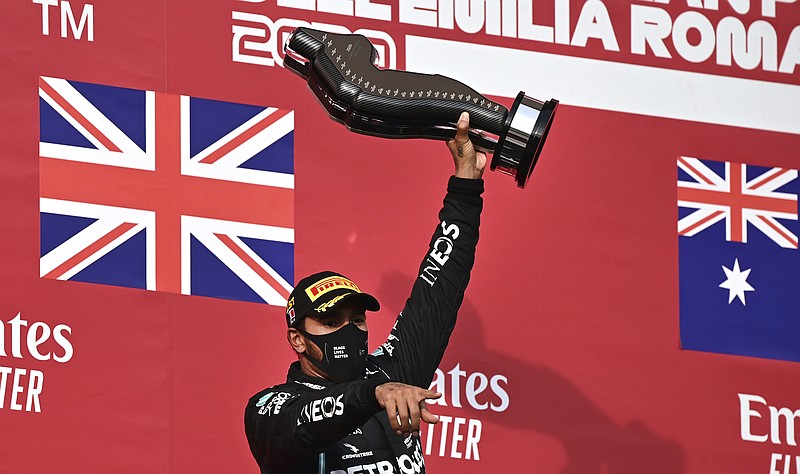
x,y
321,409
440,252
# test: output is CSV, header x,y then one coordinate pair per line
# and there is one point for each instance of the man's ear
x,y
296,340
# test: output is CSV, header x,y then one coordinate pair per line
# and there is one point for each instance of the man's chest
x,y
374,449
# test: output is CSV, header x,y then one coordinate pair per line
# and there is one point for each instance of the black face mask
x,y
344,352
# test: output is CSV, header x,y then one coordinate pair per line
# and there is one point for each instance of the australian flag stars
x,y
739,263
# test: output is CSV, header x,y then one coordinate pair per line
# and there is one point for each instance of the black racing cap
x,y
319,293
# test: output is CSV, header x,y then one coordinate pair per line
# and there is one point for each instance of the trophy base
x,y
523,137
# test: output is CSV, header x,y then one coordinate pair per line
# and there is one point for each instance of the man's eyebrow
x,y
332,315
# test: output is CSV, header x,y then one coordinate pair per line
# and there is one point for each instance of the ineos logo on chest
x,y
321,409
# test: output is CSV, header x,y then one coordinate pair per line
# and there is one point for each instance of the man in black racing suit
x,y
342,411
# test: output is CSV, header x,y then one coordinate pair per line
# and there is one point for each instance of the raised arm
x,y
420,335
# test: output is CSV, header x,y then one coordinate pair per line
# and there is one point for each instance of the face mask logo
x,y
344,353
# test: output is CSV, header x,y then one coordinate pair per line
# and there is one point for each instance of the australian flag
x,y
163,192
739,259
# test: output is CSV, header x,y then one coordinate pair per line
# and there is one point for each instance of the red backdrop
x,y
566,357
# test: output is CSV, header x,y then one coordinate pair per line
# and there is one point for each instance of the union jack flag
x,y
738,290
736,200
163,192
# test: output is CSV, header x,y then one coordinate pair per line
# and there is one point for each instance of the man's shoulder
x,y
270,400
279,394
284,387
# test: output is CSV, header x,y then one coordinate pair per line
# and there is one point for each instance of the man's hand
x,y
405,406
470,163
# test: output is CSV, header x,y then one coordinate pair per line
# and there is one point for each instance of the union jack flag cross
x,y
738,258
736,200
162,192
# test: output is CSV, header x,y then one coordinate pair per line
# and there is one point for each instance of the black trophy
x,y
341,71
